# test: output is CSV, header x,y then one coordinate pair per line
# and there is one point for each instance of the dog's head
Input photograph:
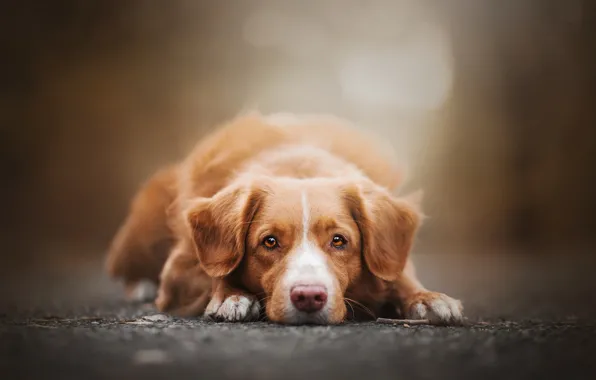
x,y
303,242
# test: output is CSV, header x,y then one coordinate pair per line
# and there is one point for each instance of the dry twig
x,y
410,322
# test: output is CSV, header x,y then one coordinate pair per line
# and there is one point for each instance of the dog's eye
x,y
338,241
270,242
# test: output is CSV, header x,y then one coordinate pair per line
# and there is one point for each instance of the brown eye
x,y
339,242
270,242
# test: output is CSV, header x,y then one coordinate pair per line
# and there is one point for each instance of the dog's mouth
x,y
310,320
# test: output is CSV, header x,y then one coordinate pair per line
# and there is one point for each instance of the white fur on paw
x,y
439,308
143,291
233,308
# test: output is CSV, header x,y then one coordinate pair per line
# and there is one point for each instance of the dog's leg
x,y
231,304
419,303
143,242
184,288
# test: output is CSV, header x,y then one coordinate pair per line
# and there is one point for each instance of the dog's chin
x,y
301,318
296,317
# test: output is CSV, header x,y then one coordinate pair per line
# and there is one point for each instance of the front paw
x,y
438,308
234,308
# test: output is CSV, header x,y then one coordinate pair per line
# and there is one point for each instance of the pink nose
x,y
308,298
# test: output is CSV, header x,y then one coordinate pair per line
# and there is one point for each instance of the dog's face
x,y
301,243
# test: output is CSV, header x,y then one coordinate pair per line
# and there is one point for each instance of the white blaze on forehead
x,y
307,266
305,216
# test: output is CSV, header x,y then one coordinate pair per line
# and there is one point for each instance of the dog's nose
x,y
309,298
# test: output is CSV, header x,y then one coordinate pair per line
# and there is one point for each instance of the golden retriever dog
x,y
291,217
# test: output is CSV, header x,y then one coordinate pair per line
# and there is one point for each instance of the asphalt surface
x,y
528,318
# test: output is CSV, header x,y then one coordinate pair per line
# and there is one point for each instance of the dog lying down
x,y
288,217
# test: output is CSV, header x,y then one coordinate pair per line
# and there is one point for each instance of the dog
x,y
292,215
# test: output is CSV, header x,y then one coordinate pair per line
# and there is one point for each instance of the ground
x,y
528,318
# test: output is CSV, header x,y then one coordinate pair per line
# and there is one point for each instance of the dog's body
x,y
293,214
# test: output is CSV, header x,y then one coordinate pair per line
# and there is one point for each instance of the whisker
x,y
364,308
351,307
262,313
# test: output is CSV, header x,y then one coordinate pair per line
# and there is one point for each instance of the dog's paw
x,y
436,307
234,308
141,291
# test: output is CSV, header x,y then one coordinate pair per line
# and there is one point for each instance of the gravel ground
x,y
528,319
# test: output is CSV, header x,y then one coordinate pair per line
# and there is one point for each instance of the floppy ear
x,y
219,226
387,226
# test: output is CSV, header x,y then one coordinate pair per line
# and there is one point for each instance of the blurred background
x,y
490,102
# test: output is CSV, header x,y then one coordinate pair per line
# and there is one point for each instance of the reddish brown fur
x,y
213,210
142,245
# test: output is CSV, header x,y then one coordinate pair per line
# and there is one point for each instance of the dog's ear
x,y
387,225
219,226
